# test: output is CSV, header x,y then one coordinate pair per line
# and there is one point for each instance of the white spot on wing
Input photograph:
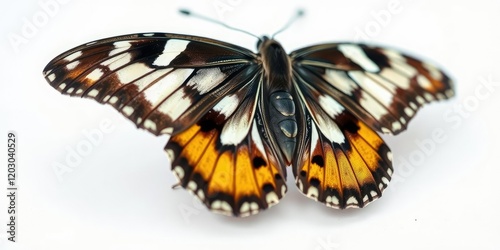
x,y
72,65
385,180
313,193
206,79
328,128
245,208
372,106
120,47
148,124
404,68
172,49
424,82
155,76
248,208
176,104
389,155
375,90
51,77
227,105
382,81
396,78
254,206
221,206
192,185
132,72
95,75
256,139
428,97
332,201
120,61
167,131
352,201
179,172
160,90
396,126
93,93
73,56
170,154
127,110
272,198
357,55
413,105
340,80
409,112
331,107
113,100
314,139
236,128
420,100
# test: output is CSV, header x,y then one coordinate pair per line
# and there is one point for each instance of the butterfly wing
x,y
348,92
382,87
203,92
162,82
226,158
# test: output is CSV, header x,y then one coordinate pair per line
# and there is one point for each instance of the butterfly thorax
x,y
276,92
276,64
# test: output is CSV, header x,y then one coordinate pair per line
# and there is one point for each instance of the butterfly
x,y
237,118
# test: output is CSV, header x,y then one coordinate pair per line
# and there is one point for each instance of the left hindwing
x,y
347,92
226,159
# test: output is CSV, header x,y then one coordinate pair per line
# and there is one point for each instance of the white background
x,y
444,192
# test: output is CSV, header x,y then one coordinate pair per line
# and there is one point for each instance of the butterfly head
x,y
261,41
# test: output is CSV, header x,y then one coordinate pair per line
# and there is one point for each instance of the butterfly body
x,y
277,88
237,118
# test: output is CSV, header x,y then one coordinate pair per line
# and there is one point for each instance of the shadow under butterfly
x,y
237,118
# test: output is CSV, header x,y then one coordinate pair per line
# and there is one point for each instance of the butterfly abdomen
x,y
281,110
283,122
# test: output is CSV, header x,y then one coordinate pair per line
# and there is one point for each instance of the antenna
x,y
299,13
189,13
